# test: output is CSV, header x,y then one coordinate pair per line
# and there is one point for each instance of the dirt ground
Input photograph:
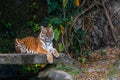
x,y
101,67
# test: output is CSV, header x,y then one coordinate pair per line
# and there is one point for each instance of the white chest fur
x,y
47,45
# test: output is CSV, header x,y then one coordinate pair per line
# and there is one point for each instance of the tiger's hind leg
x,y
19,46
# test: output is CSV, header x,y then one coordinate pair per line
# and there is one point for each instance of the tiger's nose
x,y
47,37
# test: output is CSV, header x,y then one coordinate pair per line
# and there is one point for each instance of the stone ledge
x,y
34,59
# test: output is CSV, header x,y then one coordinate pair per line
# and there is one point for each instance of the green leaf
x,y
56,34
30,23
60,47
88,53
78,50
52,5
36,27
65,3
9,25
83,60
34,17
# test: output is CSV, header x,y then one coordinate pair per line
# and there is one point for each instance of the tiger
x,y
41,45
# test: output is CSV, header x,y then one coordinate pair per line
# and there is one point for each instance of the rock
x,y
53,74
36,59
118,64
111,78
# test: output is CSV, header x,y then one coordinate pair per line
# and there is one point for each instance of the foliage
x,y
56,34
8,29
8,33
19,19
56,18
60,47
102,52
35,26
68,69
80,31
32,68
61,16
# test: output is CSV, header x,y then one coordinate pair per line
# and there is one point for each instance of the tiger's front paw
x,y
50,61
50,58
55,53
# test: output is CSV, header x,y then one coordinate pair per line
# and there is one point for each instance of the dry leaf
x,y
77,3
62,29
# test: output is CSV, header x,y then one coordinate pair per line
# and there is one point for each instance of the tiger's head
x,y
46,34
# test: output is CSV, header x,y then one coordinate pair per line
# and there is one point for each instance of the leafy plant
x,y
7,33
68,69
60,14
102,52
70,37
33,68
60,47
83,60
56,34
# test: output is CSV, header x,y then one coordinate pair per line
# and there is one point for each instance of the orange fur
x,y
35,45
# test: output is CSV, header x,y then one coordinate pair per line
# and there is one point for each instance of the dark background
x,y
17,19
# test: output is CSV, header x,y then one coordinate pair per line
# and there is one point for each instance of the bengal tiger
x,y
41,45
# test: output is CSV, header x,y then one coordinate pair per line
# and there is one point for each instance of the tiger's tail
x,y
17,43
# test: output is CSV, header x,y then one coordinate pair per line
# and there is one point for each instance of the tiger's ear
x,y
16,40
41,27
51,27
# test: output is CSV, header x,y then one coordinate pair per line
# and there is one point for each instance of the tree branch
x,y
109,21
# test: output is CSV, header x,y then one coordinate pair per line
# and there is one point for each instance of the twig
x,y
74,21
91,6
65,47
109,21
82,4
115,12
